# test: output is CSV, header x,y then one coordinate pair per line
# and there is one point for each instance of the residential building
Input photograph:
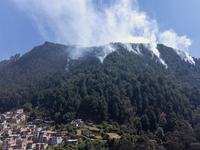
x,y
2,117
49,122
36,134
22,129
32,126
44,136
15,128
8,112
22,143
52,134
86,133
62,134
8,147
36,121
96,133
14,136
77,123
19,111
90,124
21,117
15,120
55,140
31,146
2,126
73,141
7,131
91,133
44,139
41,146
9,141
25,133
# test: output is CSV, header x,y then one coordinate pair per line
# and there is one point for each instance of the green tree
x,y
27,107
160,135
145,122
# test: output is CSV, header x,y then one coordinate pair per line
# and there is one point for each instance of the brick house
x,y
62,134
2,126
22,129
7,131
21,117
19,111
44,136
41,146
22,144
52,134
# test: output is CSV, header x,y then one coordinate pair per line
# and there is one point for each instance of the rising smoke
x,y
92,23
170,38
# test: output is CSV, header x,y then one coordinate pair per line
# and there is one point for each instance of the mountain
x,y
38,68
125,85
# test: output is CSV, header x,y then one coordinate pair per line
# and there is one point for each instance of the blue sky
x,y
18,34
25,24
182,16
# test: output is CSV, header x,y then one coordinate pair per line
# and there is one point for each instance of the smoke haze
x,y
91,23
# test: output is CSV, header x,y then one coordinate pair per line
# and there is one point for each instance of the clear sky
x,y
25,24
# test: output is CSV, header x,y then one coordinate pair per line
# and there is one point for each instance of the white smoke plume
x,y
170,38
94,23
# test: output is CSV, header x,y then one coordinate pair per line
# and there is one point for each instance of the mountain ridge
x,y
53,55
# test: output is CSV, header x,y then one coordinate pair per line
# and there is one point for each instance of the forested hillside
x,y
141,98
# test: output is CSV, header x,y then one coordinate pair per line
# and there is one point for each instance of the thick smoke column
x,y
92,23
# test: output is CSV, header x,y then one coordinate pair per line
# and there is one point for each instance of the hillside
x,y
133,92
44,68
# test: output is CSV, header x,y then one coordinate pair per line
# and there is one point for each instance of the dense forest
x,y
148,105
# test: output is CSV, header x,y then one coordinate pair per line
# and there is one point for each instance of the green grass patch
x,y
93,129
114,135
98,137
78,132
85,137
85,129
1,144
85,126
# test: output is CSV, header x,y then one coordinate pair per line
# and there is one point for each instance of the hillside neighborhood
x,y
33,137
